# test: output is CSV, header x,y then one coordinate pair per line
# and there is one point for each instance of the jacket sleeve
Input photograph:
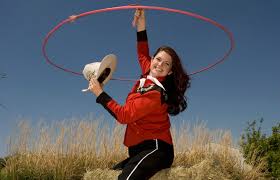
x,y
132,110
143,51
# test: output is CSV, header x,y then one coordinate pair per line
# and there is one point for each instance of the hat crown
x,y
91,70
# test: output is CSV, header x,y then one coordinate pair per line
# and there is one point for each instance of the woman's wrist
x,y
141,28
98,92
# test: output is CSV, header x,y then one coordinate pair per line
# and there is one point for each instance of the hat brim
x,y
109,61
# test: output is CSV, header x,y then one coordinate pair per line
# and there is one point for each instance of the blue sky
x,y
243,88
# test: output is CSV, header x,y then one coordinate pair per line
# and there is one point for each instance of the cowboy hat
x,y
102,71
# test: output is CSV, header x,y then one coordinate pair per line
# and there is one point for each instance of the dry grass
x,y
87,149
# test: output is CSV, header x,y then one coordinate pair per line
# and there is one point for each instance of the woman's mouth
x,y
158,69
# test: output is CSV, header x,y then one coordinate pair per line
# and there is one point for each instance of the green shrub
x,y
258,147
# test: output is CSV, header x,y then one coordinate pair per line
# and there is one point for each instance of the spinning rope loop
x,y
75,17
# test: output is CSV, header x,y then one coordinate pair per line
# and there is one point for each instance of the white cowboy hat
x,y
102,71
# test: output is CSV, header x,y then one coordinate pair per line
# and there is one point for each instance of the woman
x,y
158,93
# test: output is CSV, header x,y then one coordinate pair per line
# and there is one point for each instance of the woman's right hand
x,y
139,20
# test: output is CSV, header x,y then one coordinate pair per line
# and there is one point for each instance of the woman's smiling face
x,y
161,65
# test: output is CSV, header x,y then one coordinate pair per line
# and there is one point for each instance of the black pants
x,y
145,160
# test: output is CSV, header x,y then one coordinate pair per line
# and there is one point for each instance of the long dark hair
x,y
176,83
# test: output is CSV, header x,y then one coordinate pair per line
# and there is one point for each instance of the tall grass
x,y
87,150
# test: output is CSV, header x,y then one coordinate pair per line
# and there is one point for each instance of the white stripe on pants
x,y
143,159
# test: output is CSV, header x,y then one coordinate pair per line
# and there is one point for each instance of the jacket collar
x,y
157,81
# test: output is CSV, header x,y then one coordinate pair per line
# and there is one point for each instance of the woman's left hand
x,y
95,87
139,20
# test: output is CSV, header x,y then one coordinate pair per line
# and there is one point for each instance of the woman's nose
x,y
160,63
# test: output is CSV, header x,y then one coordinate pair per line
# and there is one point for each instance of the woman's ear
x,y
170,72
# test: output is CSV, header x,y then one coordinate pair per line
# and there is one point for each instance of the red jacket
x,y
145,113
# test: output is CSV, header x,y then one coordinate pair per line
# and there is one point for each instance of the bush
x,y
2,163
257,147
